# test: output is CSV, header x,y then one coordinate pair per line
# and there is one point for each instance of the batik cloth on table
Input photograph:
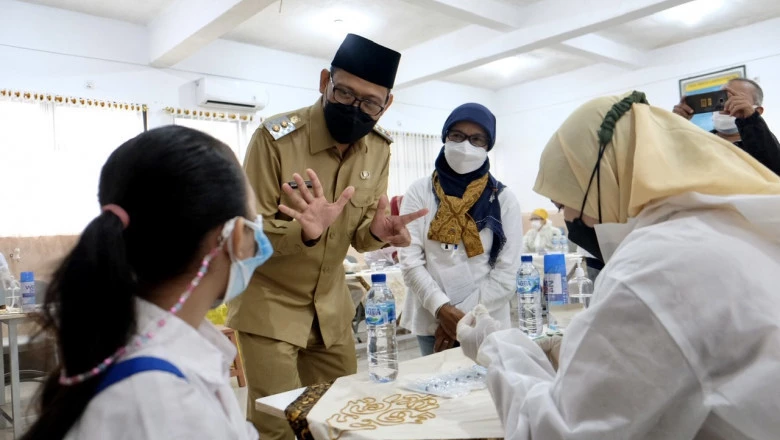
x,y
297,412
354,407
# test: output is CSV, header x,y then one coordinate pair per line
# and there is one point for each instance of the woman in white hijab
x,y
682,339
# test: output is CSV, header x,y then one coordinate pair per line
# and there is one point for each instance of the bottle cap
x,y
579,272
378,278
526,259
28,277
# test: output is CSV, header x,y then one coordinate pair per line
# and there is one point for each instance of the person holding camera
x,y
741,123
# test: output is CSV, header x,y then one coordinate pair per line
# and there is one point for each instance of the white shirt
x,y
682,340
160,405
435,276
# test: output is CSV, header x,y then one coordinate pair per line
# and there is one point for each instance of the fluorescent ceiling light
x,y
692,13
509,66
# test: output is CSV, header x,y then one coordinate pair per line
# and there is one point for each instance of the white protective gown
x,y
682,340
159,405
536,241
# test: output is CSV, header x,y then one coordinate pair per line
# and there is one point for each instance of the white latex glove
x,y
472,331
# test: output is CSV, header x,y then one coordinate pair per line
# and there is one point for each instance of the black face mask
x,y
347,123
585,237
580,233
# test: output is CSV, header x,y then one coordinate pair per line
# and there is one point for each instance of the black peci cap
x,y
367,60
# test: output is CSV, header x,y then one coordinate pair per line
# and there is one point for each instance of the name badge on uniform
x,y
449,247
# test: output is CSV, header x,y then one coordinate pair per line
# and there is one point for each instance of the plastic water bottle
x,y
564,244
28,292
529,298
555,246
11,287
580,287
380,323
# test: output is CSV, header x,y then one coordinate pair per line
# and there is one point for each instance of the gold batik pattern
x,y
369,413
452,222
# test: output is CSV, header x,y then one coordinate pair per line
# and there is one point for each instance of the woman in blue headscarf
x,y
466,250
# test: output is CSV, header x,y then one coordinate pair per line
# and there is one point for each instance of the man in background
x,y
294,320
741,123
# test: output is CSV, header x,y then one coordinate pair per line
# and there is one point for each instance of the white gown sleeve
x,y
621,376
413,261
498,287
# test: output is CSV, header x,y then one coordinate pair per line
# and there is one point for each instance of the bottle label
x,y
527,285
380,314
28,295
555,289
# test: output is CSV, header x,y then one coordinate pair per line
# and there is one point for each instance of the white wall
x,y
530,113
57,51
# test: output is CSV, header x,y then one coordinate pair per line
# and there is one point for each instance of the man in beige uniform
x,y
294,320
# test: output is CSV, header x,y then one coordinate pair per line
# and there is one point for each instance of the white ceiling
x,y
309,27
134,11
519,2
316,27
520,68
697,19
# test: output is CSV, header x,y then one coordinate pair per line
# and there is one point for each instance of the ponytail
x,y
175,184
90,307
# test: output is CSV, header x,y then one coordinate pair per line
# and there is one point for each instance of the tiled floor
x,y
408,350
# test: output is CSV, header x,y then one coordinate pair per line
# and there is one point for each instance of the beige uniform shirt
x,y
300,282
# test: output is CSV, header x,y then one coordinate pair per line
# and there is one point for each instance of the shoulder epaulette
x,y
383,133
282,125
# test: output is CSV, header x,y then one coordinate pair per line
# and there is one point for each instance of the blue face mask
x,y
241,271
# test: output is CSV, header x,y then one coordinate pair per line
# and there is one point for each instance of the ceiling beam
x,y
503,17
187,25
604,50
488,13
548,23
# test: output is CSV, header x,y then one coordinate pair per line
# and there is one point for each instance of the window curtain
x,y
412,156
51,156
236,134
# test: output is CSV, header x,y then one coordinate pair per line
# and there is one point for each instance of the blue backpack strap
x,y
130,367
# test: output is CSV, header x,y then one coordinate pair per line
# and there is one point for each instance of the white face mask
x,y
463,157
536,224
724,123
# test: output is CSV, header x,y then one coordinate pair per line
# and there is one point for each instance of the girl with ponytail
x,y
176,236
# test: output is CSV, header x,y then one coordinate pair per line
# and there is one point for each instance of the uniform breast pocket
x,y
284,199
358,206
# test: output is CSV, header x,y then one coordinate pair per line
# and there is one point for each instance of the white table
x,y
276,404
474,416
12,320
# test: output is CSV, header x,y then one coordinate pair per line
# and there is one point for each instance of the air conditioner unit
x,y
230,94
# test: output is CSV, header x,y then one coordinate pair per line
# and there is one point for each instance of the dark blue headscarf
x,y
476,113
486,212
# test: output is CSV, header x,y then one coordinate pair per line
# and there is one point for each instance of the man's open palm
x,y
313,211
